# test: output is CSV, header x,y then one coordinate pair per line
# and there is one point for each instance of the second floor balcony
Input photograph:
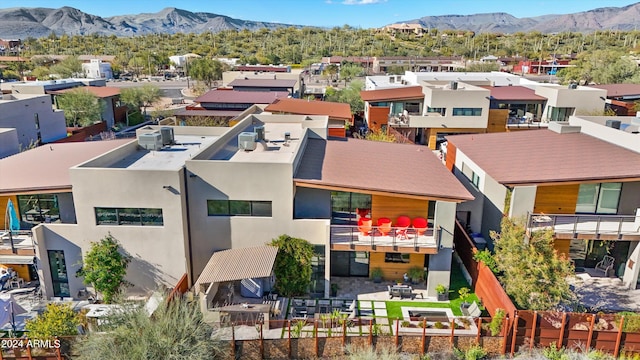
x,y
381,239
17,243
591,227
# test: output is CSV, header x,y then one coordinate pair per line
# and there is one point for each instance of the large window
x,y
129,216
598,198
346,207
238,208
467,111
396,258
39,208
471,175
436,110
59,278
559,113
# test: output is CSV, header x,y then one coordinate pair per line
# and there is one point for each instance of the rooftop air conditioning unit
x,y
613,124
167,135
247,141
150,141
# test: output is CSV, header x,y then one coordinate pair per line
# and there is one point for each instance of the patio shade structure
x,y
238,264
14,222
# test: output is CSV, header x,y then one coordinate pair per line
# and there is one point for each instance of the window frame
x,y
100,211
252,208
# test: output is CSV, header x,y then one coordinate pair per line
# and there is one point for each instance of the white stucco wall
x,y
523,199
8,142
439,95
19,111
583,99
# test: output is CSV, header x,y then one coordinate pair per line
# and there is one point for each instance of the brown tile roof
x,y
46,167
544,156
334,110
513,93
99,91
263,83
238,264
405,92
378,166
231,96
619,90
203,112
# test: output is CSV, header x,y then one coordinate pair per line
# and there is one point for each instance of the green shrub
x,y
475,353
415,273
487,258
495,326
405,323
438,325
376,273
553,353
441,289
631,321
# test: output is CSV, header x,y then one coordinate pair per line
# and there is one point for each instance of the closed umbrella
x,y
14,221
8,311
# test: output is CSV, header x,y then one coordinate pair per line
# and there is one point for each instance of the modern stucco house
x,y
578,178
173,204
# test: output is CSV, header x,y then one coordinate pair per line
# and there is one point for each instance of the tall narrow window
x,y
59,278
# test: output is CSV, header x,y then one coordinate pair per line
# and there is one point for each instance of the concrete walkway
x,y
600,293
359,288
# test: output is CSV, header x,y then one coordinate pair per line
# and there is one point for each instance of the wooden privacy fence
x,y
485,284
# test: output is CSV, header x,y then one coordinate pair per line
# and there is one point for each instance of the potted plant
x,y
464,293
441,290
376,274
334,290
416,274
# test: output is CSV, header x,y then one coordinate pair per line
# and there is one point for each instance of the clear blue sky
x,y
356,13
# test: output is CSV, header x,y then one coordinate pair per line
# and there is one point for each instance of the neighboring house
x,y
209,189
520,104
37,181
33,118
8,142
270,83
443,108
224,104
340,117
543,67
264,68
383,64
573,178
97,69
404,28
621,98
110,96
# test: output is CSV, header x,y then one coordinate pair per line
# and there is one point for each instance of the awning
x,y
238,264
16,259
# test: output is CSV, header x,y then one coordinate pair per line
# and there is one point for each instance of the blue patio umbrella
x,y
14,221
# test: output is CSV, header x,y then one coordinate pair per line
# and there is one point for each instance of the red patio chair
x,y
421,225
384,226
362,213
364,226
402,225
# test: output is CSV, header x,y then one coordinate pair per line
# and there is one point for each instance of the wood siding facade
x,y
556,199
394,271
392,207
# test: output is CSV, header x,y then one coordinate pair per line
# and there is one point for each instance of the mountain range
x,y
606,18
20,23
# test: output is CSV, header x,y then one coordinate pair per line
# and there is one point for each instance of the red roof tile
x,y
544,156
306,107
404,92
513,93
47,167
231,96
619,90
378,166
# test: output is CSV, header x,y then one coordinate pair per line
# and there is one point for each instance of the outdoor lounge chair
x,y
420,224
605,264
364,226
384,226
402,224
473,310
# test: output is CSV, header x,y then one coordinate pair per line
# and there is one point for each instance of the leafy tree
x,y
293,265
601,67
175,331
349,71
481,67
56,320
41,73
206,70
349,95
81,108
140,97
105,267
533,273
331,71
71,66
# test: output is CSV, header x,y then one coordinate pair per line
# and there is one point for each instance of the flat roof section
x,y
399,93
274,150
334,110
513,93
375,166
544,156
620,91
171,157
263,83
46,168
